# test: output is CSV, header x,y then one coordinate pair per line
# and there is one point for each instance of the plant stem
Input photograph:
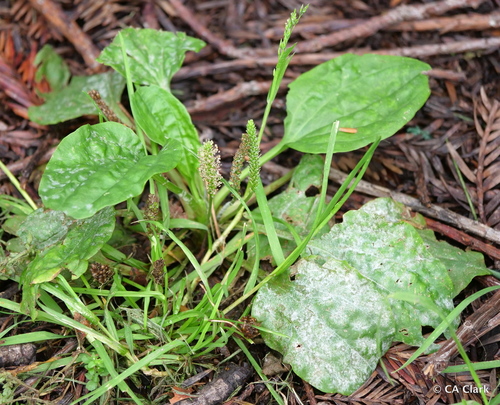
x,y
271,154
224,235
267,189
17,185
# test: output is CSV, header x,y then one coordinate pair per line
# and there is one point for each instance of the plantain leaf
x,y
77,242
153,56
51,67
462,266
72,101
332,313
42,229
333,323
162,116
393,255
376,94
101,165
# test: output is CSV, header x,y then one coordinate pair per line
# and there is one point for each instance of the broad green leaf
x,y
153,56
336,324
73,102
392,254
376,94
51,67
462,265
162,116
101,165
83,240
11,224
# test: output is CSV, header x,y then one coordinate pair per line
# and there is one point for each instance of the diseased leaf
x,y
73,102
43,228
384,250
462,265
162,116
337,325
82,240
395,258
153,56
101,165
377,94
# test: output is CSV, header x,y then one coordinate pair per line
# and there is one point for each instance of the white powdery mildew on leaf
x,y
338,321
391,253
337,324
42,228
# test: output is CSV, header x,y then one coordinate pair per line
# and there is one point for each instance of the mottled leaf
x,y
336,324
162,116
51,67
391,253
462,265
43,228
82,241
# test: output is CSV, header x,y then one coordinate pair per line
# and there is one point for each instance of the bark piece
x,y
231,377
17,355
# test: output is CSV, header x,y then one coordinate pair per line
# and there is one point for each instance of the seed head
x,y
210,167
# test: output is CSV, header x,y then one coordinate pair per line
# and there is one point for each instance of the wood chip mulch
x,y
226,84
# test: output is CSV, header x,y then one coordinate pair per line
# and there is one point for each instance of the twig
x,y
19,165
317,58
375,24
445,48
461,22
54,14
433,211
238,92
463,238
224,47
217,391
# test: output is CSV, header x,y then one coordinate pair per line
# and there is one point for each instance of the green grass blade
x,y
257,368
326,170
30,337
274,242
447,321
431,306
483,365
144,362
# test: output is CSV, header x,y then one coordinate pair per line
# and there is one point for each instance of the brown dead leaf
x,y
180,394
